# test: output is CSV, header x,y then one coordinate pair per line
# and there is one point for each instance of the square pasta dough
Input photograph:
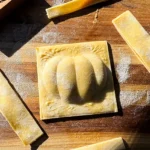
x,y
75,80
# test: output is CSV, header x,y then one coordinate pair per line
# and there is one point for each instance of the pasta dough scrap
x,y
69,7
75,80
135,36
16,114
113,144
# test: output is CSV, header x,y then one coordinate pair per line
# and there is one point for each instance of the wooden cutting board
x,y
28,27
6,6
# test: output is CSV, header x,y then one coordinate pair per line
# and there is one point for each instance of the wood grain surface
x,y
28,27
6,6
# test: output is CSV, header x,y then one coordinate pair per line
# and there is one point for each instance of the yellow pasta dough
x,y
75,80
16,114
135,36
69,7
113,144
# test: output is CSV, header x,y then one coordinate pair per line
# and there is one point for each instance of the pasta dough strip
x,y
69,7
135,36
16,114
113,144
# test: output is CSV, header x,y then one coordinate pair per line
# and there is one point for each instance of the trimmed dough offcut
x,y
135,36
113,144
16,114
70,7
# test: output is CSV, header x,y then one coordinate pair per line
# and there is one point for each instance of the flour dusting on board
x,y
15,58
3,122
148,97
123,67
53,36
21,82
50,37
54,33
58,2
128,98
